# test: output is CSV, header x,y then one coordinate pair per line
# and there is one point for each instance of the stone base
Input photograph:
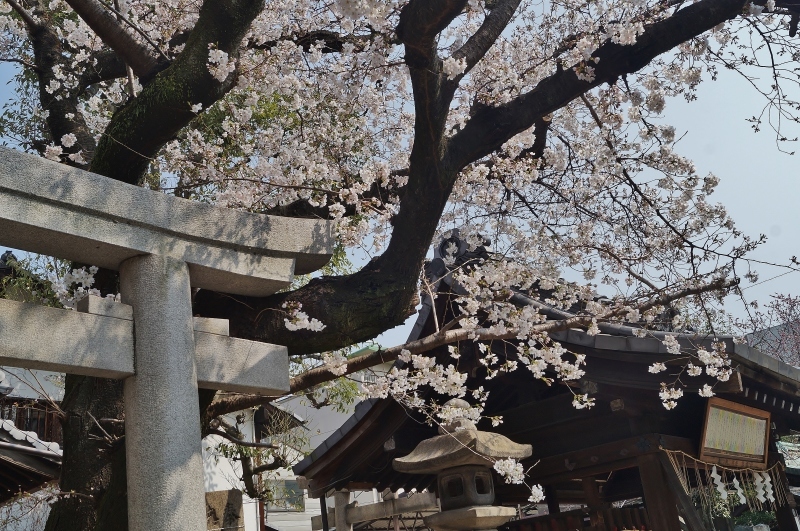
x,y
477,518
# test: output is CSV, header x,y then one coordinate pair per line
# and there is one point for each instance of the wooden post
x,y
323,506
662,510
592,493
593,502
552,499
690,514
788,519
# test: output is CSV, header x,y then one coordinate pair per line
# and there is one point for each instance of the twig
x,y
241,442
135,27
26,17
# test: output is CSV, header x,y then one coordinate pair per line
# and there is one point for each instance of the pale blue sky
x,y
758,184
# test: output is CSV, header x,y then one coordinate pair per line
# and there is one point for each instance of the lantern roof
x,y
460,448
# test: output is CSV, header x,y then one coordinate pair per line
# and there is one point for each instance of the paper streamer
x,y
721,488
758,483
768,487
739,491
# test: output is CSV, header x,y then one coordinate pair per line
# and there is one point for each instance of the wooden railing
x,y
32,415
633,518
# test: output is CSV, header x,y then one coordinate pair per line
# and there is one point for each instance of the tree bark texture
x,y
91,468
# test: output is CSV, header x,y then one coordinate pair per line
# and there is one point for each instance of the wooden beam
x,y
658,497
690,516
603,458
422,501
592,493
551,498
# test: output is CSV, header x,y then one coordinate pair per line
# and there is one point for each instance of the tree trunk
x,y
92,468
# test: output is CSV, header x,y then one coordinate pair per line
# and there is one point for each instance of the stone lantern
x,y
462,459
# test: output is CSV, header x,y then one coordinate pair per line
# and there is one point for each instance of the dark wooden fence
x,y
626,518
32,415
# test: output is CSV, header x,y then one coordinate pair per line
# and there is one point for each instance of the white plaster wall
x,y
222,474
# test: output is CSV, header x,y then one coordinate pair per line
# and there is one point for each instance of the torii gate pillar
x,y
161,395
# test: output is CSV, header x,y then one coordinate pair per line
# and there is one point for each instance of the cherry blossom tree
x,y
539,125
774,328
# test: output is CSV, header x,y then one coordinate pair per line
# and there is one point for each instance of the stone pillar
x,y
162,423
341,499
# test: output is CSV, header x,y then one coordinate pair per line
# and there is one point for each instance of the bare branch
x,y
448,336
20,61
141,128
240,442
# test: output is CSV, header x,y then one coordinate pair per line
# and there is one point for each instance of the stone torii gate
x,y
161,246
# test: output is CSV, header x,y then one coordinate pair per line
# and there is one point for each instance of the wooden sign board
x,y
735,435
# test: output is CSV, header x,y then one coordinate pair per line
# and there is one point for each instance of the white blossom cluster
x,y
298,320
511,470
717,362
219,65
402,383
74,286
336,362
670,395
714,363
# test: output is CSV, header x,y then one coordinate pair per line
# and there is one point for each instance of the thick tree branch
x,y
141,128
355,307
23,14
490,127
61,104
482,40
447,336
105,65
143,60
421,21
302,209
122,18
331,41
383,294
248,473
